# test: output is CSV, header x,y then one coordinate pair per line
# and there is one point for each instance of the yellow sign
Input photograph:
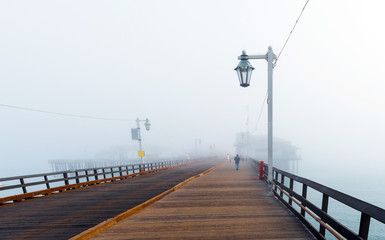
x,y
141,153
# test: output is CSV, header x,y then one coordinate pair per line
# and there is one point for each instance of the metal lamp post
x,y
147,125
244,70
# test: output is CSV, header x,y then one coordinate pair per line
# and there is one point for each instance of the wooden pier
x,y
66,214
222,204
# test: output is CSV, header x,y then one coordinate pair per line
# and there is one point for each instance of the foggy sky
x,y
173,62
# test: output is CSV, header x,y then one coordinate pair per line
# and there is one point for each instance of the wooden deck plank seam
x,y
112,221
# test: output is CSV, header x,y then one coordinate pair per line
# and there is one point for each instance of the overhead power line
x,y
284,45
65,114
275,62
260,113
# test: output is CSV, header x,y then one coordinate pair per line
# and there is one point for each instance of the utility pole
x,y
247,133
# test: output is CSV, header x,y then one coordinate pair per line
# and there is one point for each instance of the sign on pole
x,y
141,153
135,134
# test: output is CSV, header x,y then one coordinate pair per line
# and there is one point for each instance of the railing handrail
x,y
362,206
75,170
320,214
78,178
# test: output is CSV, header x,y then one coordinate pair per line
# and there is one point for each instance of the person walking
x,y
236,160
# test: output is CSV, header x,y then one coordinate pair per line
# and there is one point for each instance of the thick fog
x,y
173,63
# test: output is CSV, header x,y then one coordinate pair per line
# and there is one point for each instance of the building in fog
x,y
285,155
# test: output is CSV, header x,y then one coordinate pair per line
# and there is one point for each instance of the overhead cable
x,y
260,113
275,62
65,114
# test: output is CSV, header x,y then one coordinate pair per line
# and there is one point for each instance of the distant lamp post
x,y
244,70
137,136
147,124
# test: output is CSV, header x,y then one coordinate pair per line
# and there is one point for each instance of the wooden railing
x,y
284,190
30,186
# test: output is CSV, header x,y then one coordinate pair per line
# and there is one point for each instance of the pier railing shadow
x,y
300,205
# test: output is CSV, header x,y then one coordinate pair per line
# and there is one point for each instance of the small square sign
x,y
141,153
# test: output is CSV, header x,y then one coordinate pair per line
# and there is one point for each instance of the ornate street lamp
x,y
244,70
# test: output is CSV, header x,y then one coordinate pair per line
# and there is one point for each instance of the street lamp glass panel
x,y
147,124
244,70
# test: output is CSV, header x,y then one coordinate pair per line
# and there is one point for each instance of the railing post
x,y
87,177
283,183
96,174
276,178
364,226
65,176
291,188
77,177
133,168
120,171
266,171
22,185
104,173
304,194
112,172
325,204
46,181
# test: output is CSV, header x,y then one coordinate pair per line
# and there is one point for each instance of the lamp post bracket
x,y
253,57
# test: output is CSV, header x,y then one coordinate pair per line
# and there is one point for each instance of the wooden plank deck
x,y
64,215
223,204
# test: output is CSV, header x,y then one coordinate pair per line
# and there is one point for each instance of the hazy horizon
x,y
173,63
